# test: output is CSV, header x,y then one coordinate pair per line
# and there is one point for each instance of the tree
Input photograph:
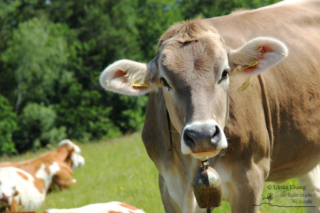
x,y
36,55
7,126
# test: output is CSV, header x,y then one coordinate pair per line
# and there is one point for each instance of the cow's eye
x,y
165,83
224,76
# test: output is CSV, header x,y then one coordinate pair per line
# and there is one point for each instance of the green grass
x,y
120,170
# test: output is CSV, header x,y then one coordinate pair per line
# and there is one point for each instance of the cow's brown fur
x,y
22,175
64,177
186,31
14,205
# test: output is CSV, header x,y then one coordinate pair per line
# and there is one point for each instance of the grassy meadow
x,y
120,170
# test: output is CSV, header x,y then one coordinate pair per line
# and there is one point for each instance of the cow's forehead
x,y
201,56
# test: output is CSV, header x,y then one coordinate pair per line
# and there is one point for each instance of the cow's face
x,y
194,76
193,69
74,160
77,159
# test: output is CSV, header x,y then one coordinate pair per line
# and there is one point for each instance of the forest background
x,y
53,51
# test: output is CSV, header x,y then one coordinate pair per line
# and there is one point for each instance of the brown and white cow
x,y
268,132
20,190
68,156
25,184
110,207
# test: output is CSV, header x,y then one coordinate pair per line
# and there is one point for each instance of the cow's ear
x,y
257,56
64,152
130,77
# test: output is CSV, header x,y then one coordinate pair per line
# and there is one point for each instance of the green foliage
x,y
153,18
52,53
38,47
87,119
37,127
129,117
7,126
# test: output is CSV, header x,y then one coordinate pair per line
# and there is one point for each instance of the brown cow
x,y
268,132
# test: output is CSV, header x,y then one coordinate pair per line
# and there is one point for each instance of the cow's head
x,y
74,158
193,69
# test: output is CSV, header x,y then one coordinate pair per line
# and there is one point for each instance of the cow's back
x,y
293,88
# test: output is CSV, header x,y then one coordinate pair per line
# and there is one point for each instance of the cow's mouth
x,y
204,155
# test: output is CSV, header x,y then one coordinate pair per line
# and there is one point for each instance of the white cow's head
x,y
75,160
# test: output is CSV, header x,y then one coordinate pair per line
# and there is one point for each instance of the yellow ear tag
x,y
136,84
253,63
245,84
249,79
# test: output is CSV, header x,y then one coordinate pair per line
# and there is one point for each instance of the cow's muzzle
x,y
203,139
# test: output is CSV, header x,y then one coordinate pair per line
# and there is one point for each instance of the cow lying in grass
x,y
20,190
67,155
111,207
31,179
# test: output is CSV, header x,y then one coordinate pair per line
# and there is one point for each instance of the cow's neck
x,y
179,172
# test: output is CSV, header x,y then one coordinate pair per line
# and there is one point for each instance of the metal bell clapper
x,y
207,187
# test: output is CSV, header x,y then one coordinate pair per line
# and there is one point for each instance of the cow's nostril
x,y
216,136
187,139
